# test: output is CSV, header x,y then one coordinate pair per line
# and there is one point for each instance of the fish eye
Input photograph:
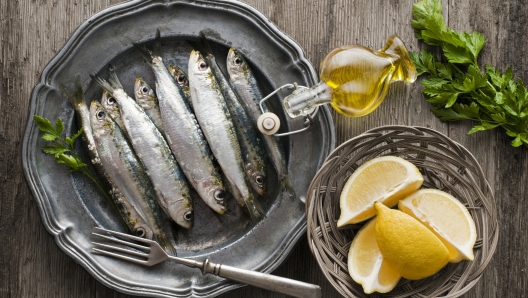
x,y
111,100
202,65
188,215
238,60
219,195
181,79
260,180
140,232
145,89
100,114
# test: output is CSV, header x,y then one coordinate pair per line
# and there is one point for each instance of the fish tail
x,y
75,96
146,53
204,44
113,79
156,50
255,210
103,83
286,183
166,244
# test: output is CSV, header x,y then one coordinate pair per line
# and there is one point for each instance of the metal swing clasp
x,y
269,123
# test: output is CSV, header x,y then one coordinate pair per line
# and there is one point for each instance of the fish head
x,y
256,178
179,76
183,215
144,94
199,67
236,64
110,104
138,228
216,197
99,119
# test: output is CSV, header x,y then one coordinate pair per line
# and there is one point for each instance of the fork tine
x,y
119,256
124,235
123,242
128,251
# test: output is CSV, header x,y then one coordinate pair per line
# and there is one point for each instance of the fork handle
x,y
266,281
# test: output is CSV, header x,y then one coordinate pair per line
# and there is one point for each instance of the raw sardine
x,y
127,212
215,120
245,85
184,136
250,146
154,153
121,163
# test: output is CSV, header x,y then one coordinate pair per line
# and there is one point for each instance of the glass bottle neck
x,y
302,102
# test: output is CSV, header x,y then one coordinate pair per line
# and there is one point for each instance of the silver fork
x,y
154,254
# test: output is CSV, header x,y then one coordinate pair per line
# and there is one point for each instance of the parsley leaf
x,y
455,85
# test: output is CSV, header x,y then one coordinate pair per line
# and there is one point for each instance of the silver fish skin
x,y
166,176
110,105
127,172
245,85
215,120
251,148
127,212
185,137
180,77
147,99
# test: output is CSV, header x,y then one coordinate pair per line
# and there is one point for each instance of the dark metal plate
x,y
70,205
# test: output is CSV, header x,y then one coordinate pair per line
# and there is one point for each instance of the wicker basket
x,y
444,164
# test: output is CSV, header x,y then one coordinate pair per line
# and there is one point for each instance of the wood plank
x,y
31,265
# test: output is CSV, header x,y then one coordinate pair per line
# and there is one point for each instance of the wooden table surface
x,y
31,265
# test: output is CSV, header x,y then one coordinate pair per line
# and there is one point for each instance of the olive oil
x,y
355,79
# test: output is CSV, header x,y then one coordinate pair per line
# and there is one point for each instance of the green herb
x,y
455,85
63,149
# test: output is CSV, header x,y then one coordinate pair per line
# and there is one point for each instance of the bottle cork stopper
x,y
268,123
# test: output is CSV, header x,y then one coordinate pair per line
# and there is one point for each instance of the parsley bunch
x,y
63,148
457,88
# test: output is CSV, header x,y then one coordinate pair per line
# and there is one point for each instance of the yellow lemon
x,y
447,218
366,264
407,245
387,179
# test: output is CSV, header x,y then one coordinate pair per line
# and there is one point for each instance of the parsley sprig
x,y
63,149
455,85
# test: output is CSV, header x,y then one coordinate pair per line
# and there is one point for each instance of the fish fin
x,y
113,79
255,210
166,244
103,83
146,53
156,50
205,44
286,183
75,96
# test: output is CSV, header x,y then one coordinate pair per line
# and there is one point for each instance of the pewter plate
x,y
70,205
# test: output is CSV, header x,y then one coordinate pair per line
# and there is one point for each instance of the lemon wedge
x,y
447,218
366,265
387,179
407,245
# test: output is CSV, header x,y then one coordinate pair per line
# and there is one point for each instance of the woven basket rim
x,y
446,163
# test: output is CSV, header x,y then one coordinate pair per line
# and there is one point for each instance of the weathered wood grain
x,y
32,31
